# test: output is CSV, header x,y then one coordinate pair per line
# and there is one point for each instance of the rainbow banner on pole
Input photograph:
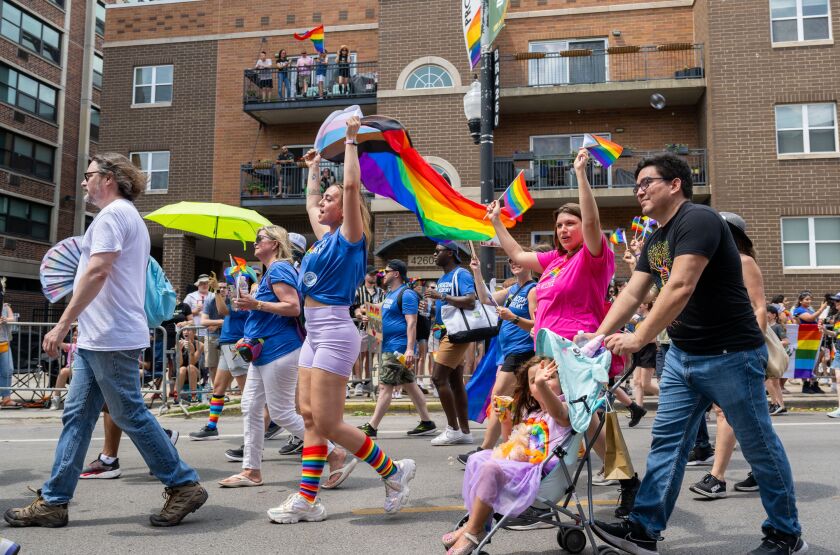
x,y
807,350
517,200
603,150
316,35
472,30
392,168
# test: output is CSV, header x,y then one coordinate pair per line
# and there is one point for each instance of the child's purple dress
x,y
510,487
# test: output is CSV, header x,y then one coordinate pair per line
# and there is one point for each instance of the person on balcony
x,y
344,70
285,161
321,73
264,82
304,73
284,85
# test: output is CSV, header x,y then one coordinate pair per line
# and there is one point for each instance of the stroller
x,y
583,382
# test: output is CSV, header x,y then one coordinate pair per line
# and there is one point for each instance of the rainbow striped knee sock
x,y
314,459
216,404
374,456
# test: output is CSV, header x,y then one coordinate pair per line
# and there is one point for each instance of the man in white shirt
x,y
108,301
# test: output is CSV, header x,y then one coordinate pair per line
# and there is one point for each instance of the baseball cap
x,y
371,270
298,241
453,247
737,224
399,266
833,297
203,278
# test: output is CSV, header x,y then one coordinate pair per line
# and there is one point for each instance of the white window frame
x,y
806,139
800,26
563,45
150,171
811,242
537,237
425,67
606,135
154,84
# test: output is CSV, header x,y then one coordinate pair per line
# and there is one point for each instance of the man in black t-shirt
x,y
717,355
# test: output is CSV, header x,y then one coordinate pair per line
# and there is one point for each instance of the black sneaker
x,y
369,430
627,496
747,485
100,470
627,536
704,456
462,458
204,434
426,428
293,447
173,436
710,487
775,542
636,414
778,411
235,455
273,432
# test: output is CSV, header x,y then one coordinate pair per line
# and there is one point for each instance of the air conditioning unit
x,y
23,55
7,243
14,180
19,117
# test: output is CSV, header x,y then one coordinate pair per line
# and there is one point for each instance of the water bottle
x,y
426,310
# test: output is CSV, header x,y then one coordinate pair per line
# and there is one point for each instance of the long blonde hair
x,y
281,236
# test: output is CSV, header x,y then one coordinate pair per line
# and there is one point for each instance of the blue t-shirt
x,y
466,285
212,313
513,339
279,332
332,268
234,327
394,326
800,310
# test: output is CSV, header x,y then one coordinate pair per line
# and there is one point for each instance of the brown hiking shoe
x,y
180,501
38,513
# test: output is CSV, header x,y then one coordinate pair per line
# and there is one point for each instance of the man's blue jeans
x,y
735,382
111,377
6,370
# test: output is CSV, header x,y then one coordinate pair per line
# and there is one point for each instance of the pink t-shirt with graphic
x,y
571,292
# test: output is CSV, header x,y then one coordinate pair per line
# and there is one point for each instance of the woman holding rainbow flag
x,y
330,272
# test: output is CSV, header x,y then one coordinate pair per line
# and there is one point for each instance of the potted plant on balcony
x,y
677,148
255,189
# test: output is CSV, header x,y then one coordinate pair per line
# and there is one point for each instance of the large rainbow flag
x,y
807,349
392,168
316,35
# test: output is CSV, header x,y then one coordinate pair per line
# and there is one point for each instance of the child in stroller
x,y
506,480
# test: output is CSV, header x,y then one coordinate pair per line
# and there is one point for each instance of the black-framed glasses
x,y
646,182
89,175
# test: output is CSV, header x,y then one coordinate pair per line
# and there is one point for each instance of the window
x,y
542,237
94,124
429,76
806,128
156,166
442,172
153,84
100,18
97,71
555,69
26,93
24,218
26,156
24,29
799,20
812,242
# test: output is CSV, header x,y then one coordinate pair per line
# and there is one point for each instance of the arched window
x,y
429,76
442,172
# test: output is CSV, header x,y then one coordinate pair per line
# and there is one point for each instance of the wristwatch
x,y
516,320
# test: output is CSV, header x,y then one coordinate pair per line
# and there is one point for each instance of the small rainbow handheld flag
x,y
604,151
807,349
316,35
617,237
517,199
637,226
649,225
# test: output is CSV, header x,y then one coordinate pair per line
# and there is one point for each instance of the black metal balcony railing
x,y
279,181
293,85
614,64
558,172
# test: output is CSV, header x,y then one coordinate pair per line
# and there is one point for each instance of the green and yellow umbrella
x,y
211,219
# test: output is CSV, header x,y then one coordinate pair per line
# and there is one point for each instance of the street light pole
x,y
487,255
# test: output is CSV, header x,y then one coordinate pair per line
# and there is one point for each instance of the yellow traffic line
x,y
460,508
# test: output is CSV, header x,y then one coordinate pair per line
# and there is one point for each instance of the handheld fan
x,y
58,268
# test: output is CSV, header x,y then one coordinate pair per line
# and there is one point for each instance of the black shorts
x,y
646,357
344,70
266,84
514,361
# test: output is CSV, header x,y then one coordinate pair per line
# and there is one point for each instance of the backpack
x,y
424,323
160,296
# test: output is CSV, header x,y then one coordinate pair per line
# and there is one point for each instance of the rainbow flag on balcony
x,y
517,200
603,150
392,168
807,349
316,35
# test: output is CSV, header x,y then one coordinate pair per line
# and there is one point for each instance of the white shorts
x,y
231,361
319,78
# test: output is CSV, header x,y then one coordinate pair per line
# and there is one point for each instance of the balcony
x,y
309,105
553,178
623,76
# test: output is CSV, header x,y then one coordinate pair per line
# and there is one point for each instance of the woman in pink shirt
x,y
575,276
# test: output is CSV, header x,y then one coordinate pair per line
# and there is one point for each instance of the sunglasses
x,y
260,239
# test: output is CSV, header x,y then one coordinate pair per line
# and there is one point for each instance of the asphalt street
x,y
110,516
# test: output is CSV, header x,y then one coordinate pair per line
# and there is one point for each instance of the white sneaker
x,y
55,403
295,508
397,395
834,414
396,487
433,390
359,391
451,436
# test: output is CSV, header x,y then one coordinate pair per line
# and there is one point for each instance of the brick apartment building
x,y
50,88
181,97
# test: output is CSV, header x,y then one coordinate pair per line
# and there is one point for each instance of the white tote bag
x,y
465,325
